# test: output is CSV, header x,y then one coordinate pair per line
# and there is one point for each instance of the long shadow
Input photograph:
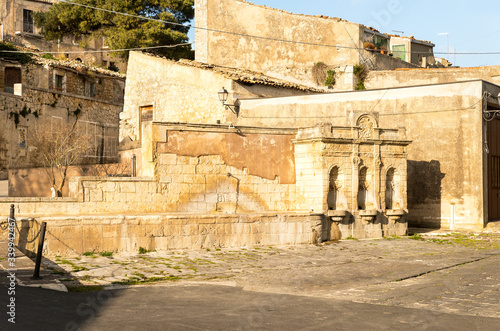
x,y
424,194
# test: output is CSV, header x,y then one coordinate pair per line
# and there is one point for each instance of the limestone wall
x,y
36,103
444,123
77,235
185,93
259,54
415,77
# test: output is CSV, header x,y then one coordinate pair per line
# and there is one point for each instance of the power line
x,y
257,37
100,51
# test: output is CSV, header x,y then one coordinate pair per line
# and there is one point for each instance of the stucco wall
x,y
259,54
182,93
444,123
414,77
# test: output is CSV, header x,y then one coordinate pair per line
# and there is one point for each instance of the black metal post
x,y
12,212
36,274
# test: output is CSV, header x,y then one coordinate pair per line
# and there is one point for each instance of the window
x,y
399,51
59,82
12,76
91,90
27,21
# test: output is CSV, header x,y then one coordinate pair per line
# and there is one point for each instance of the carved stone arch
x,y
367,125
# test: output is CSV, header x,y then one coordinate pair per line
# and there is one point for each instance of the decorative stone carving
x,y
366,125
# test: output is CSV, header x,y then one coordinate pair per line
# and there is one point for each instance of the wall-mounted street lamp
x,y
223,94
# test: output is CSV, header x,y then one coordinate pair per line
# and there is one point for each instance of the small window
x,y
91,90
27,21
12,76
59,82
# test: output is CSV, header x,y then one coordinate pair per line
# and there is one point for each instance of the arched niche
x,y
392,194
364,182
335,183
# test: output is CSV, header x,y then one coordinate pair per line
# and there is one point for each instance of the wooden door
x,y
494,170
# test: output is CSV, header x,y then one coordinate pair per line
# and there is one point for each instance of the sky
x,y
469,26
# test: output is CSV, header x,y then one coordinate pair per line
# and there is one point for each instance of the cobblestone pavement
x,y
447,273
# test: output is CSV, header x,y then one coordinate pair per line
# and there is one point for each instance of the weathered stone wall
x,y
36,103
415,77
334,42
267,155
35,182
182,93
444,123
126,233
258,54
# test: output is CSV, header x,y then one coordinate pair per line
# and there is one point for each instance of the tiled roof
x,y
76,65
243,75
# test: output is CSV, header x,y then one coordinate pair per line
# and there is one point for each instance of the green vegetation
x,y
351,238
136,280
416,236
8,48
330,78
142,250
474,241
361,73
88,254
118,31
106,254
48,56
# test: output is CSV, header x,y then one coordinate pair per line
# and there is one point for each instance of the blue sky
x,y
473,26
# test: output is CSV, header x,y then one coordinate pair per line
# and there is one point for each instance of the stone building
x,y
205,160
444,168
49,93
17,26
347,43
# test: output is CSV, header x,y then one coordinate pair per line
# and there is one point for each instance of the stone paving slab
x,y
23,269
436,271
443,272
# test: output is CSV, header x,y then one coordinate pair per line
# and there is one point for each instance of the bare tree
x,y
56,150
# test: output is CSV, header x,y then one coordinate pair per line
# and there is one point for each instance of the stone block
x,y
109,187
127,187
188,169
168,159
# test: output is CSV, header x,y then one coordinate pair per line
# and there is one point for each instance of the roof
x,y
65,64
412,38
76,66
243,75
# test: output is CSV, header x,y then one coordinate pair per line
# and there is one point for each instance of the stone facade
x,y
48,93
18,28
414,77
447,160
292,61
187,92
